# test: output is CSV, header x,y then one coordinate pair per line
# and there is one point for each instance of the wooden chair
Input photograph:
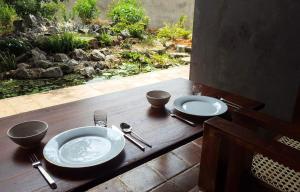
x,y
253,152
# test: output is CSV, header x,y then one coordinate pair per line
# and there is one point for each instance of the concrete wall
x,y
251,48
159,11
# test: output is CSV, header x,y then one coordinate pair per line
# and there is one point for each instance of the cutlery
x,y
181,118
230,103
128,129
100,118
129,138
38,165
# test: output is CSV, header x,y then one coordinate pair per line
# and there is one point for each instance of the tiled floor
x,y
176,171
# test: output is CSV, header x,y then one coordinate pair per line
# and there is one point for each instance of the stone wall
x,y
250,48
159,11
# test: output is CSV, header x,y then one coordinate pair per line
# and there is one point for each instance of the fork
x,y
38,165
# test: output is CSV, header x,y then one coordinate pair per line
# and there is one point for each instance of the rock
x,y
99,66
31,20
22,73
72,62
43,64
87,72
23,65
23,57
38,54
19,25
159,48
105,51
186,60
61,57
125,33
2,75
52,72
178,55
79,54
188,49
180,48
96,55
36,72
83,30
169,44
53,29
66,68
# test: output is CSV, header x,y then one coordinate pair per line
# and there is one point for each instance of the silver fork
x,y
38,165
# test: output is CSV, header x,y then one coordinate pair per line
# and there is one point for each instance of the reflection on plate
x,y
84,147
200,106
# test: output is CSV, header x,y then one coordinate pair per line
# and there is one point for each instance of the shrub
x,y
128,15
105,39
61,43
7,61
7,15
49,10
86,10
15,46
25,7
175,31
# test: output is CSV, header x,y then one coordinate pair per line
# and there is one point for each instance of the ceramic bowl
x,y
28,134
158,98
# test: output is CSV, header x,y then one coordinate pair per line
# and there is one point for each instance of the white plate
x,y
200,106
84,147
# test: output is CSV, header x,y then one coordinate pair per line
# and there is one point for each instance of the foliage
x,y
15,46
7,15
86,10
105,39
128,15
136,57
51,9
7,62
175,31
11,88
61,43
25,7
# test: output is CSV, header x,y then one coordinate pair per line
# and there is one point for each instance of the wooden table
x,y
131,106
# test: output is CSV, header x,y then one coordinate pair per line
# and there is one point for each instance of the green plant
x,y
86,10
25,7
7,15
50,9
61,43
128,15
137,57
175,31
105,39
7,61
15,46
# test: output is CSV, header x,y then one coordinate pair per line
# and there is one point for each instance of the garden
x,y
44,45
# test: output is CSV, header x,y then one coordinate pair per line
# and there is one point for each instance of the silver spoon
x,y
128,129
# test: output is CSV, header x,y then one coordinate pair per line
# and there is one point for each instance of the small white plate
x,y
84,147
200,106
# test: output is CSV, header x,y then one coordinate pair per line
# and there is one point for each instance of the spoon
x,y
128,129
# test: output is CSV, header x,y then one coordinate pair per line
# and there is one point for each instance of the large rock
x,y
179,55
87,72
72,62
36,72
66,68
31,20
22,73
79,54
96,55
43,64
52,72
38,55
23,65
61,57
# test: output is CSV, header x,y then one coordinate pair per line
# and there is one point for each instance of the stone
x,y
179,55
83,30
181,48
125,33
19,25
66,68
52,72
53,29
99,65
22,73
186,60
105,51
87,72
36,72
23,57
61,57
38,54
31,20
188,49
72,62
43,64
79,54
23,65
169,44
96,55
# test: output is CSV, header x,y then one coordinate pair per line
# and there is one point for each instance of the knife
x,y
129,138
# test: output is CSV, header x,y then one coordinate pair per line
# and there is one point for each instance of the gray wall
x,y
249,47
159,11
